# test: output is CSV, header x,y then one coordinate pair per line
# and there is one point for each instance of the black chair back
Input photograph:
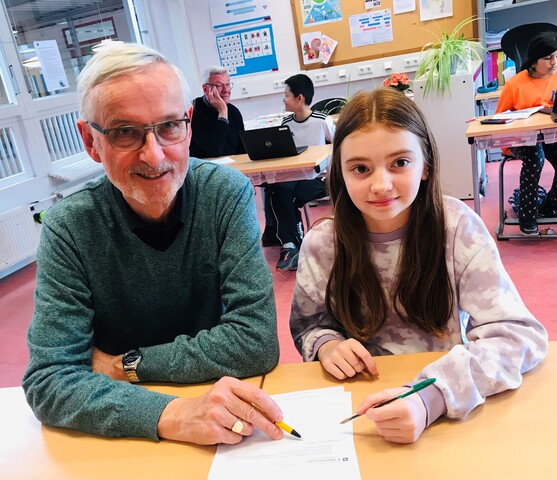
x,y
330,106
515,42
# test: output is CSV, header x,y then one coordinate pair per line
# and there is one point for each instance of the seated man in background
x,y
283,200
153,273
216,123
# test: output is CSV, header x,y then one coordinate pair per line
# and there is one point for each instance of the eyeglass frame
x,y
220,86
106,131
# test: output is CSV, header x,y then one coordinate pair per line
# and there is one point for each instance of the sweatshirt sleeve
x,y
59,384
503,339
310,323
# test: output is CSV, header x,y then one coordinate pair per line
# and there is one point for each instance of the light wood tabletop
x,y
537,121
29,450
512,436
305,166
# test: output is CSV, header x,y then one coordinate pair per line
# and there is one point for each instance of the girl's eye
x,y
401,162
359,169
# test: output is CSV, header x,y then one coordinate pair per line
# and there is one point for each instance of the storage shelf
x,y
514,5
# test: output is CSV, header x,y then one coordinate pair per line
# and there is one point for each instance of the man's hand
x,y
401,421
110,365
208,419
346,358
213,97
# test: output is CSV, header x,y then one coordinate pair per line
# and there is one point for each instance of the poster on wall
x,y
432,9
251,50
228,14
370,28
317,12
52,68
311,47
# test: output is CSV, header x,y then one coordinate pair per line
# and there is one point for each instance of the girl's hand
x,y
346,358
401,421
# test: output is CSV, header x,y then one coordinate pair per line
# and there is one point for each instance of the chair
x,y
514,42
330,106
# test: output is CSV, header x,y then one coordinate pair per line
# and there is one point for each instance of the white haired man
x,y
216,123
139,279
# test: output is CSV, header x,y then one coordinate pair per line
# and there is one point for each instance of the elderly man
x,y
153,273
216,124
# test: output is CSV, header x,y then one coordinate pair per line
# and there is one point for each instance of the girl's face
x,y
382,170
545,66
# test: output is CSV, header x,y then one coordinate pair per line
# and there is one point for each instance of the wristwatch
x,y
130,362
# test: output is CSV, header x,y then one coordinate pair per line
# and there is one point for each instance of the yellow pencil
x,y
281,425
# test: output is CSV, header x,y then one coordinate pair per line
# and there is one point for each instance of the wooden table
x,y
520,132
305,166
512,436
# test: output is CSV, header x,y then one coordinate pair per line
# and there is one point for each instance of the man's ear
x,y
88,140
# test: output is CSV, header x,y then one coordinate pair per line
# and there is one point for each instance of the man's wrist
x,y
130,362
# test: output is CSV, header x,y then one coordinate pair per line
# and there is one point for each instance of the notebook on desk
x,y
269,143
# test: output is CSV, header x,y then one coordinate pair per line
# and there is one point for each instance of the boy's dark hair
x,y
301,85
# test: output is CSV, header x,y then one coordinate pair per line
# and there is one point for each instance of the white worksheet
x,y
325,451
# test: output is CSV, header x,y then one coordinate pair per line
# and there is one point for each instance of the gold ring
x,y
238,426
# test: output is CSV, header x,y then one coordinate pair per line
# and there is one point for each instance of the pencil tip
x,y
296,434
344,421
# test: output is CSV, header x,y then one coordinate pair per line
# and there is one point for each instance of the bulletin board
x,y
409,33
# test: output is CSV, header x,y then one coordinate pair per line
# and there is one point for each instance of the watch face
x,y
131,356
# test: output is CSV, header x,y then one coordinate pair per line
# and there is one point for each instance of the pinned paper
x,y
311,47
328,46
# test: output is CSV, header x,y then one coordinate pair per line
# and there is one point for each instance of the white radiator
x,y
19,238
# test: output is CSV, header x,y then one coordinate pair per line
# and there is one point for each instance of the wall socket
x,y
279,84
388,66
365,70
244,89
411,62
321,77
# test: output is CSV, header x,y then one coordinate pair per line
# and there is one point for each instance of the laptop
x,y
271,142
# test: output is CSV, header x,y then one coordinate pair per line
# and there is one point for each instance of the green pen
x,y
415,388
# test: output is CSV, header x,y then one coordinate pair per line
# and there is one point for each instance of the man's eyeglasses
x,y
221,86
128,138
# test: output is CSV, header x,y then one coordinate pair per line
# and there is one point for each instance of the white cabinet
x,y
447,116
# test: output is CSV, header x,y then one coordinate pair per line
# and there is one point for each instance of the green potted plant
x,y
443,56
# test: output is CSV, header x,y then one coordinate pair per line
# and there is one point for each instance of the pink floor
x,y
532,263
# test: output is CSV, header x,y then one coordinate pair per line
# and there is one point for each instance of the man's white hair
x,y
213,70
120,59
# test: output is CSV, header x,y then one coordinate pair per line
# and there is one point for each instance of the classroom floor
x,y
530,262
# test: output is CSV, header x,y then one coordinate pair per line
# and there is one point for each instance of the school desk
x,y
305,166
512,436
514,134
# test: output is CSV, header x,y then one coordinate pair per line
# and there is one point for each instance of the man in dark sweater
x,y
216,123
153,273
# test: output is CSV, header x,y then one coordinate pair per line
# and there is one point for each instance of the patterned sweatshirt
x,y
202,309
491,336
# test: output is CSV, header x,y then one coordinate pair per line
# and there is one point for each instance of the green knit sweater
x,y
202,309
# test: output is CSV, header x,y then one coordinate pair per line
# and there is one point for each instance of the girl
x,y
400,269
535,84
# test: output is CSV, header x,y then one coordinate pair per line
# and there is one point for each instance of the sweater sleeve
x,y
503,339
310,323
59,384
245,342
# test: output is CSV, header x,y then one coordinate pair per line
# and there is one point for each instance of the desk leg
x,y
475,179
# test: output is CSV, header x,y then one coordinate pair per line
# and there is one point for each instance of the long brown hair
x,y
423,295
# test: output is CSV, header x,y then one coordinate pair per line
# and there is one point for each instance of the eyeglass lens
x,y
133,138
221,86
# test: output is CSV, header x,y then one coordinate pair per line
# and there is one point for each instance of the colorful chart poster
x,y
233,13
316,12
248,51
370,28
